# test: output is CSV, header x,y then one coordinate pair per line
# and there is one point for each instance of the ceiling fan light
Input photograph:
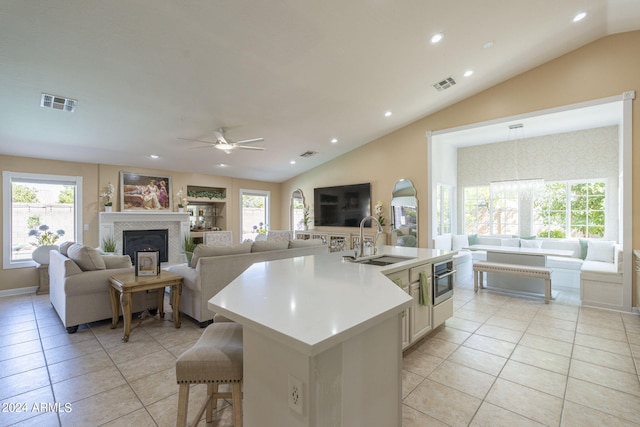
x,y
223,146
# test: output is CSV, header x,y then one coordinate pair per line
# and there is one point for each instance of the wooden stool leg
x,y
183,402
236,398
547,291
212,392
475,281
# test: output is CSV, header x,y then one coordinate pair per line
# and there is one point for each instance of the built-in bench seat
x,y
597,274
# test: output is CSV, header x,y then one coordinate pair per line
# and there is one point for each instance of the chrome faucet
x,y
361,243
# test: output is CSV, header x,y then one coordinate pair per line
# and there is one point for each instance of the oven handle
x,y
446,274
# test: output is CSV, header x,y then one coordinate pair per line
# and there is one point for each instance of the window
x,y
571,209
476,205
38,210
443,209
254,215
504,212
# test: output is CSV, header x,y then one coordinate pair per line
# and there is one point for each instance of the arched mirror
x,y
404,214
297,216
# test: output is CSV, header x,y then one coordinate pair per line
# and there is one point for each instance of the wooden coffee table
x,y
126,284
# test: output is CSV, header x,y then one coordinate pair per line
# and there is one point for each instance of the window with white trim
x,y
38,210
444,207
571,209
254,213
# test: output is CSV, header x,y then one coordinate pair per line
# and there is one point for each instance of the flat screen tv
x,y
342,206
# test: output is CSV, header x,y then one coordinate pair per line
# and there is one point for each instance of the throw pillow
x,y
459,241
64,247
299,243
212,250
600,250
524,243
510,242
88,259
269,245
584,244
473,239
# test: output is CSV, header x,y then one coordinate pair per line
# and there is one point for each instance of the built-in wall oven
x,y
442,281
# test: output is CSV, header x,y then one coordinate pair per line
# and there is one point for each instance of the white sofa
x,y
214,267
79,285
597,273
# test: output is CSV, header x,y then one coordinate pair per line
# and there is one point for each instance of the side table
x,y
126,284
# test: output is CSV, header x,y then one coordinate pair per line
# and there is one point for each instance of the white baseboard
x,y
18,291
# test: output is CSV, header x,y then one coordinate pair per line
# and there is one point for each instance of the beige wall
x,y
607,67
95,177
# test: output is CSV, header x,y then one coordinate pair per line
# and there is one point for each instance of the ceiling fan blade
x,y
249,141
248,147
198,140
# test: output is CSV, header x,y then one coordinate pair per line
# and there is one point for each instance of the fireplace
x,y
146,240
114,224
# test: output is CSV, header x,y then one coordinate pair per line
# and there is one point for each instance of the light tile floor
x,y
499,361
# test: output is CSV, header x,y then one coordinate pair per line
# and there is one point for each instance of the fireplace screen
x,y
146,240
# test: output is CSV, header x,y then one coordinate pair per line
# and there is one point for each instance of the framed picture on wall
x,y
139,192
147,263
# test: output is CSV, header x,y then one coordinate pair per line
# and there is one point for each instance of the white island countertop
x,y
315,302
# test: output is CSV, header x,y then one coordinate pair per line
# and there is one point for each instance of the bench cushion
x,y
599,267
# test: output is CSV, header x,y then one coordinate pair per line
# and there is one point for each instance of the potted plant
x,y
109,244
189,246
45,242
182,201
306,217
107,195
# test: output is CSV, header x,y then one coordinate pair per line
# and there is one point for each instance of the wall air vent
x,y
58,103
444,84
308,153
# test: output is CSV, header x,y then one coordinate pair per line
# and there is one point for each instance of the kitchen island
x,y
322,339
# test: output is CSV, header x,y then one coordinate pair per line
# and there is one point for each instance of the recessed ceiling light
x,y
468,73
436,38
154,156
222,165
579,17
388,114
292,162
334,140
488,45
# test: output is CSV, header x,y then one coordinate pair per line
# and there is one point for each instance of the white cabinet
x,y
416,320
421,313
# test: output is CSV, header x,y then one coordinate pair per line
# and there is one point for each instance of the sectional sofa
x,y
595,268
215,266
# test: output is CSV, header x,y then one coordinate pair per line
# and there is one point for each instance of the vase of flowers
x,y
45,240
378,210
107,195
182,201
306,218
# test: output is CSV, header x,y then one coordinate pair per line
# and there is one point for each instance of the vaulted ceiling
x,y
149,75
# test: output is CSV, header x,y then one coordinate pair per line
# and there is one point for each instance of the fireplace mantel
x,y
112,224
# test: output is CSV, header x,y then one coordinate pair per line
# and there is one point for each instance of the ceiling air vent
x,y
58,103
445,84
308,153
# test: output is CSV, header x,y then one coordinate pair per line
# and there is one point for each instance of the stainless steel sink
x,y
383,260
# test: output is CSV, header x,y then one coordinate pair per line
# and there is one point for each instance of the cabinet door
x,y
420,315
406,315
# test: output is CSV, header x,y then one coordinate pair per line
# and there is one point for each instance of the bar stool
x,y
216,358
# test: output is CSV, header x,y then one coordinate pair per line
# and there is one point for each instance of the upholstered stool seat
x,y
216,358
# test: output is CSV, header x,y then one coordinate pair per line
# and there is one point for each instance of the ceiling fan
x,y
222,143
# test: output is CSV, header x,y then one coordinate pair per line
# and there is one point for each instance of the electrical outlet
x,y
295,394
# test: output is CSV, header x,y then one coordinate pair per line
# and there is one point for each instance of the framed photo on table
x,y
147,263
